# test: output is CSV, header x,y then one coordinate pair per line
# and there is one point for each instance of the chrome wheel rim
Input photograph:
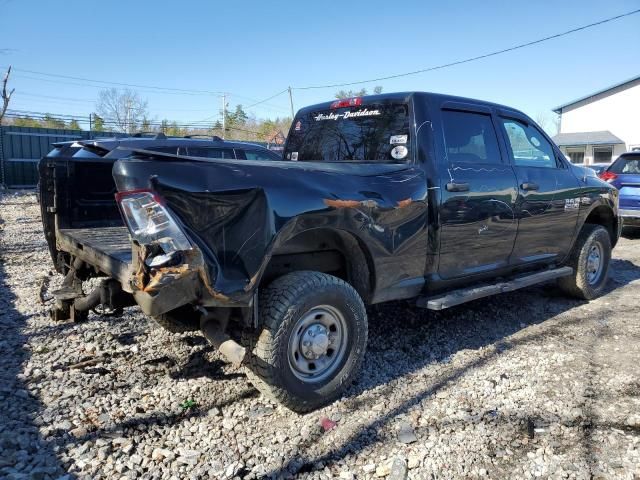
x,y
318,343
594,263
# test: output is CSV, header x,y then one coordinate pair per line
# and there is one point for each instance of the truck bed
x,y
107,248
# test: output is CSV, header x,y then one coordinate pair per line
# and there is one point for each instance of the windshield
x,y
363,133
626,164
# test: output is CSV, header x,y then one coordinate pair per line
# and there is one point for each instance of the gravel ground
x,y
523,385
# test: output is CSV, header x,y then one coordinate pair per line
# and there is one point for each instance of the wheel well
x,y
334,252
604,216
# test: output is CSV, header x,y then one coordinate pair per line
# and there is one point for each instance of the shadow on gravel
x,y
22,449
198,365
415,338
149,421
368,434
631,233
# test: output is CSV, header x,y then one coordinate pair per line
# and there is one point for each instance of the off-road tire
x,y
282,304
577,285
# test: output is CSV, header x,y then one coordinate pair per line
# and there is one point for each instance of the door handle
x,y
530,186
457,187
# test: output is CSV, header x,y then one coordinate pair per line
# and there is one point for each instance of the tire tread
x,y
275,301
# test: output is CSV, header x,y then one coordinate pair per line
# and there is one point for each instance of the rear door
x,y
548,193
478,223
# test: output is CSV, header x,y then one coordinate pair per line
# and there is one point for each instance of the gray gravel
x,y
524,385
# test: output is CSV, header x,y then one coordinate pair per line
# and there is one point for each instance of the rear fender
x,y
239,214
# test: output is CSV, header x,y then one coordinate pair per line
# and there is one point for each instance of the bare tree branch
x,y
123,108
6,97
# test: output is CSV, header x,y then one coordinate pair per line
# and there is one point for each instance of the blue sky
x,y
255,49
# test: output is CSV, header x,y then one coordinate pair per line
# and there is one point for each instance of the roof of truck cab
x,y
406,96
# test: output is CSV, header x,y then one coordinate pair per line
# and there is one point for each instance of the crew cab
x,y
421,196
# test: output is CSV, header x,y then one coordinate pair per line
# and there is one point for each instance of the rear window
x,y
209,152
363,133
628,164
171,150
90,152
64,151
261,155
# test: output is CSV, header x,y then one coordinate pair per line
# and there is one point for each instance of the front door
x,y
548,199
478,223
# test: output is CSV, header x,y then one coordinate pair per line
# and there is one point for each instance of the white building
x,y
602,125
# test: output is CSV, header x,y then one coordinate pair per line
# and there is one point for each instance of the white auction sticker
x,y
294,156
396,139
399,152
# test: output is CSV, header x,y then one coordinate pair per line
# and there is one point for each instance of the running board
x,y
463,295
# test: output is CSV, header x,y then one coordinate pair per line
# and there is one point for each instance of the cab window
x,y
529,148
470,137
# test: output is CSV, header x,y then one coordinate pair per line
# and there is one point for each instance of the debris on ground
x,y
522,385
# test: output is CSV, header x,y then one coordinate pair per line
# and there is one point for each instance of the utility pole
x,y
224,114
128,116
291,102
90,127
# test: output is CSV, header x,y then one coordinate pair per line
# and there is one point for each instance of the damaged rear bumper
x,y
161,289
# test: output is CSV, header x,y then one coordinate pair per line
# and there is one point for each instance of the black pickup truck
x,y
415,195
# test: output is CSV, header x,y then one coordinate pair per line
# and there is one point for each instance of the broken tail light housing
x,y
150,222
347,102
608,176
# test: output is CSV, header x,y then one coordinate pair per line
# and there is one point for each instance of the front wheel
x,y
313,340
590,260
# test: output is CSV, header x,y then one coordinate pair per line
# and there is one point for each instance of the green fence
x,y
21,148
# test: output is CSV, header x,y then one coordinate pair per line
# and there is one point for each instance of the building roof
x,y
604,137
559,108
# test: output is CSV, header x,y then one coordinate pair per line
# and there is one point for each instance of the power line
x,y
102,83
63,82
473,59
121,84
252,105
108,122
268,98
258,102
78,84
66,99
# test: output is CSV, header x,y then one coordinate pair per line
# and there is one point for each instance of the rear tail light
x,y
347,102
149,221
608,176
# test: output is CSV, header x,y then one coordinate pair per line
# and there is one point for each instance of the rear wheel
x,y
312,343
590,260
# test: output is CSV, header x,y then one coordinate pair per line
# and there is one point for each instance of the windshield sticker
x,y
298,126
399,152
365,112
294,156
396,139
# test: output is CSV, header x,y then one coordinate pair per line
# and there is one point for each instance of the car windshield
x,y
361,133
626,164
